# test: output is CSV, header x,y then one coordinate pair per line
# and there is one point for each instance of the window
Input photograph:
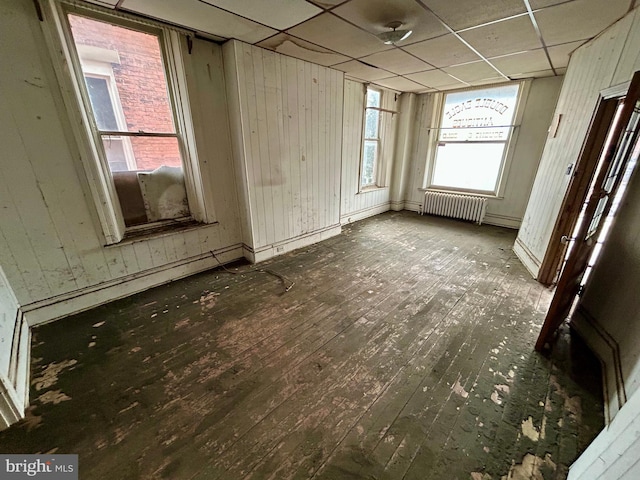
x,y
127,97
371,143
471,144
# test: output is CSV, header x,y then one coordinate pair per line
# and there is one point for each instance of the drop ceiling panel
x,y
488,81
327,3
401,84
461,14
196,15
278,14
538,74
578,20
472,72
535,4
397,61
294,47
434,79
336,34
510,36
375,15
355,69
522,63
560,53
443,51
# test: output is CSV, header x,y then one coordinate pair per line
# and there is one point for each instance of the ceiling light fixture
x,y
395,35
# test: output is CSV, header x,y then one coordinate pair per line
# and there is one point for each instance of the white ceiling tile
x,y
336,34
535,4
537,74
560,53
522,63
461,14
400,84
375,15
488,81
471,72
443,51
501,38
278,14
356,69
199,16
294,47
578,20
397,61
327,3
434,79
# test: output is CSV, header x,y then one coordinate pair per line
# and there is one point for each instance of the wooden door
x,y
621,137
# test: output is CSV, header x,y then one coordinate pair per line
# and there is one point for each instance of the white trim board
x,y
502,220
365,213
531,263
61,306
269,251
608,351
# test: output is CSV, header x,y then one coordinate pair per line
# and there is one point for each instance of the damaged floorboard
x,y
404,351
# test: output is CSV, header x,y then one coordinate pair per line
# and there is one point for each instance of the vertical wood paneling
x,y
591,69
287,109
50,243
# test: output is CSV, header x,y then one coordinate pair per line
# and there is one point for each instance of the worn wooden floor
x,y
404,351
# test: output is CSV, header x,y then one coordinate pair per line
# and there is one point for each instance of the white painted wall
x,y
50,247
287,137
356,204
608,60
528,144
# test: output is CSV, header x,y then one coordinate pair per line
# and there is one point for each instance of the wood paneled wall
x,y
356,204
287,132
606,61
50,247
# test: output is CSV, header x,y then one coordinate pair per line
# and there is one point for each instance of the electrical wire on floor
x,y
286,283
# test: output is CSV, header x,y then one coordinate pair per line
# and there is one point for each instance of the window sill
x,y
372,188
462,192
157,231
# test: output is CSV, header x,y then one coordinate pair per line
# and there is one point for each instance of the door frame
x,y
578,188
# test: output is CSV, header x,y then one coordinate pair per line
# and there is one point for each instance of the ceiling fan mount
x,y
394,35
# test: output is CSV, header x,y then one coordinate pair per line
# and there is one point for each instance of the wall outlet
x,y
280,249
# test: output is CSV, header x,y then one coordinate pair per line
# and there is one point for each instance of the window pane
x,y
369,163
142,153
154,188
373,98
101,103
132,60
468,166
479,115
371,124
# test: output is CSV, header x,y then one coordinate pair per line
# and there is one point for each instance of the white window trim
x,y
377,165
99,180
507,156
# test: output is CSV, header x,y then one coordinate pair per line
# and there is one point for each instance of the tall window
x,y
475,128
371,147
133,116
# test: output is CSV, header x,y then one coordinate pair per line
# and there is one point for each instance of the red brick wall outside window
x,y
141,86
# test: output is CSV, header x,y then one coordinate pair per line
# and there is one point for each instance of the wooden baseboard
x,y
528,259
606,348
264,253
364,213
60,306
502,220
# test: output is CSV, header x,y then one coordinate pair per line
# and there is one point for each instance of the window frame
x,y
68,67
509,143
365,139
